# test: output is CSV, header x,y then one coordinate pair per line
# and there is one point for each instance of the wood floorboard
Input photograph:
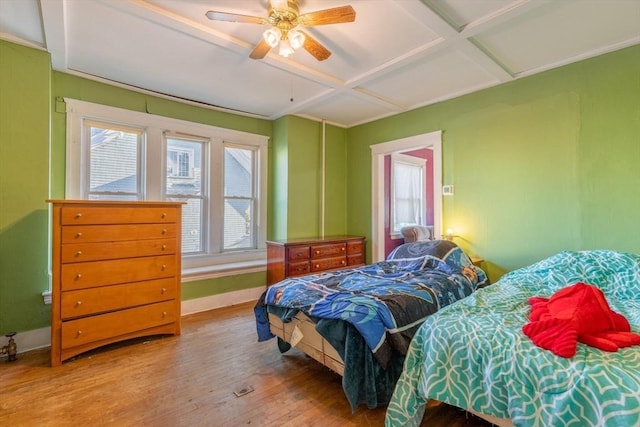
x,y
189,381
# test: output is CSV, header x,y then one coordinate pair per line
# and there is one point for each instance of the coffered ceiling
x,y
398,54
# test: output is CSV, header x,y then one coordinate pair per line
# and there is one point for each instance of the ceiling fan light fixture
x,y
285,48
272,36
284,17
296,38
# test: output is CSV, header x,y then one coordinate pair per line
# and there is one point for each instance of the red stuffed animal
x,y
578,313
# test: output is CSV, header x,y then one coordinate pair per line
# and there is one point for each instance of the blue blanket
x,y
385,302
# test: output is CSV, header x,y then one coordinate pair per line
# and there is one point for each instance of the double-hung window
x,y
219,174
240,197
408,197
184,182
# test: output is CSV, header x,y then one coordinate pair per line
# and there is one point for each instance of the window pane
x,y
184,182
113,164
238,219
408,195
184,167
238,172
239,198
191,225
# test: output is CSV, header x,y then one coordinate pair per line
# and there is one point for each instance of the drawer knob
x,y
79,333
78,253
164,314
342,249
164,247
78,235
78,276
163,267
78,215
342,262
164,215
164,231
317,265
78,303
163,290
317,252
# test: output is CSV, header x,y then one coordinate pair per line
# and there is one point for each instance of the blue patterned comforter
x,y
474,355
386,302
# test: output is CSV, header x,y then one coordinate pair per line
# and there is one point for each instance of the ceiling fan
x,y
285,19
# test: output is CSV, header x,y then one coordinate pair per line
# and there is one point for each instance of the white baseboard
x,y
39,338
221,300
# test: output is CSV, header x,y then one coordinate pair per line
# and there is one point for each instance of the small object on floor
x,y
244,390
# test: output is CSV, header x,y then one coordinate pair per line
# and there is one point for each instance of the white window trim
x,y
378,151
194,267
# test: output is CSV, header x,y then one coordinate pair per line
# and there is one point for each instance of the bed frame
x,y
311,343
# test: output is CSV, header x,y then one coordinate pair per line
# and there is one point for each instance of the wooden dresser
x,y
296,257
116,273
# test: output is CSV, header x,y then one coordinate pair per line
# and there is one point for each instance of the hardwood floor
x,y
189,381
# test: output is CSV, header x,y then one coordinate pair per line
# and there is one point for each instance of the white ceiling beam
x,y
55,35
505,14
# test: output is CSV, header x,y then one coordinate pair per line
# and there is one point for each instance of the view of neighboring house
x,y
114,163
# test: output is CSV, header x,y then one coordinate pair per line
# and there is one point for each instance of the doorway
x,y
432,141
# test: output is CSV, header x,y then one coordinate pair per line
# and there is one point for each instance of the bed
x,y
359,321
474,354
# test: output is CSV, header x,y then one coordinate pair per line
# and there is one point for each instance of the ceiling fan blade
x,y
314,47
261,50
234,17
328,16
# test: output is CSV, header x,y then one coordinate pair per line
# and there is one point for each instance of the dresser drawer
x,y
114,233
355,247
295,253
298,268
328,263
99,273
355,259
95,328
116,297
321,251
76,215
82,252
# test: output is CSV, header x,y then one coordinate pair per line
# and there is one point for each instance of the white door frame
x,y
432,140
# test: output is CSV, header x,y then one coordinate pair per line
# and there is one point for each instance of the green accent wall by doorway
x,y
540,165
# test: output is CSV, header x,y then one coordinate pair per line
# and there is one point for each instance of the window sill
x,y
223,270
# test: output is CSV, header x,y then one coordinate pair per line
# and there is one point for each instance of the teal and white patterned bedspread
x,y
474,355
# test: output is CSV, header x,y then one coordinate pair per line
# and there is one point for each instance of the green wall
x,y
297,185
279,166
543,164
24,187
68,86
33,169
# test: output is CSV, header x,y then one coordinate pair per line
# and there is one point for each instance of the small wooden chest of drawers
x,y
116,273
296,257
